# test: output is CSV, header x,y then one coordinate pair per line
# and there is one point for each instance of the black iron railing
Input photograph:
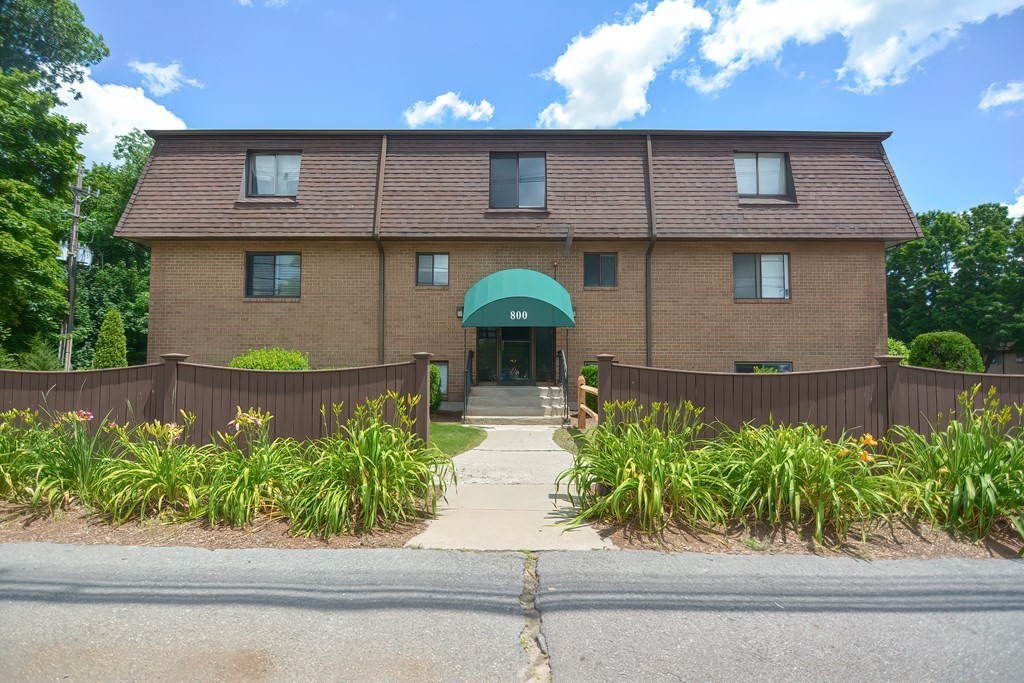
x,y
563,382
468,376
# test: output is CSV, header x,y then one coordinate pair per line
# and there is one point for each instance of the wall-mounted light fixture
x,y
458,312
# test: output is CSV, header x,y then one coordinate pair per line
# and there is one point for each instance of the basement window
x,y
273,275
273,174
763,174
765,367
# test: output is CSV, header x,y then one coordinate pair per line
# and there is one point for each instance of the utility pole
x,y
76,216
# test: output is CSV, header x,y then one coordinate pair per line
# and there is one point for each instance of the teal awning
x,y
517,298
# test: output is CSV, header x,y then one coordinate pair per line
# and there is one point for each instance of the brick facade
x,y
835,318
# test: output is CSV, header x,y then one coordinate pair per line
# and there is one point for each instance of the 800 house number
x,y
517,315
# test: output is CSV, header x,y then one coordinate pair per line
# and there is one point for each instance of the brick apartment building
x,y
712,251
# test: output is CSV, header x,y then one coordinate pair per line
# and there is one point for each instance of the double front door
x,y
515,355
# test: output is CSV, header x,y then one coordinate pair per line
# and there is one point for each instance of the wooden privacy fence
x,y
855,400
162,390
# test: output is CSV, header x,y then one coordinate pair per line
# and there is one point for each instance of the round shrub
x,y
435,388
898,348
271,359
111,346
945,351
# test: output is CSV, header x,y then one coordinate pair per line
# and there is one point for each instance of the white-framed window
x,y
273,174
518,180
760,276
762,174
442,366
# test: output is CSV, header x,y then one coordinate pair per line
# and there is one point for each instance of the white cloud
x,y
886,39
162,80
1017,208
276,3
995,96
110,110
245,3
449,105
607,73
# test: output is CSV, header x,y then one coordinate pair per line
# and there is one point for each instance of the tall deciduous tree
x,y
48,38
966,275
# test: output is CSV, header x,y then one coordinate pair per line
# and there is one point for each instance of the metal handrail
x,y
563,382
468,383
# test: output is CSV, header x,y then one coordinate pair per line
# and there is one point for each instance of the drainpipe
x,y
652,237
380,246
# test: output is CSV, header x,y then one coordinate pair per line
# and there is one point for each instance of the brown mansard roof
x,y
436,186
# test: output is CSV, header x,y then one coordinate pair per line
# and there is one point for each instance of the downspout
x,y
380,246
652,237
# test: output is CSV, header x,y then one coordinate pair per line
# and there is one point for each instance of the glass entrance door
x,y
515,355
516,360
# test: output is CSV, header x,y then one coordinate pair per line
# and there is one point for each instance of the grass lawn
x,y
453,438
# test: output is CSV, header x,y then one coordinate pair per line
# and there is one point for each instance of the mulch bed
x,y
78,525
900,541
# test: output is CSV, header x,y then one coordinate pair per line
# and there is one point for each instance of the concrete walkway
x,y
506,498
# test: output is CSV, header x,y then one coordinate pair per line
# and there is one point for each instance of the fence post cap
x,y
882,360
605,356
422,355
178,357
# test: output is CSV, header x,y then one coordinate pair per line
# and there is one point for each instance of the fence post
x,y
604,382
170,396
423,390
891,364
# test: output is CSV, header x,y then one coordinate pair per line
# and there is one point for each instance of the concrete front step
x,y
555,420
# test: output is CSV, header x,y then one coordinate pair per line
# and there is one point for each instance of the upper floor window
x,y
760,276
273,275
764,174
273,174
518,180
432,269
599,270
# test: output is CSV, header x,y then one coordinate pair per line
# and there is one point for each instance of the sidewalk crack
x,y
538,670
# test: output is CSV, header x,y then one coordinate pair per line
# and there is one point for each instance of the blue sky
x,y
947,76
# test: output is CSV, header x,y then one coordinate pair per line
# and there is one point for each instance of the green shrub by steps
x,y
435,388
589,373
968,474
111,345
271,359
370,474
945,351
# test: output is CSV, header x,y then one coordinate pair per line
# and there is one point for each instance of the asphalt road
x,y
84,613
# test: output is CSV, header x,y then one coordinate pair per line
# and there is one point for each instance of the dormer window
x,y
762,174
273,174
518,180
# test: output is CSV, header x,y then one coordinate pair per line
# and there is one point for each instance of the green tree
x,y
48,37
32,281
111,348
967,275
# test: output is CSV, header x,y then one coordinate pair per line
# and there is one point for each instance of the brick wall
x,y
836,317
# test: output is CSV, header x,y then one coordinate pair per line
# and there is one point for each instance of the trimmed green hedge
x,y
435,388
589,373
271,359
945,351
111,345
